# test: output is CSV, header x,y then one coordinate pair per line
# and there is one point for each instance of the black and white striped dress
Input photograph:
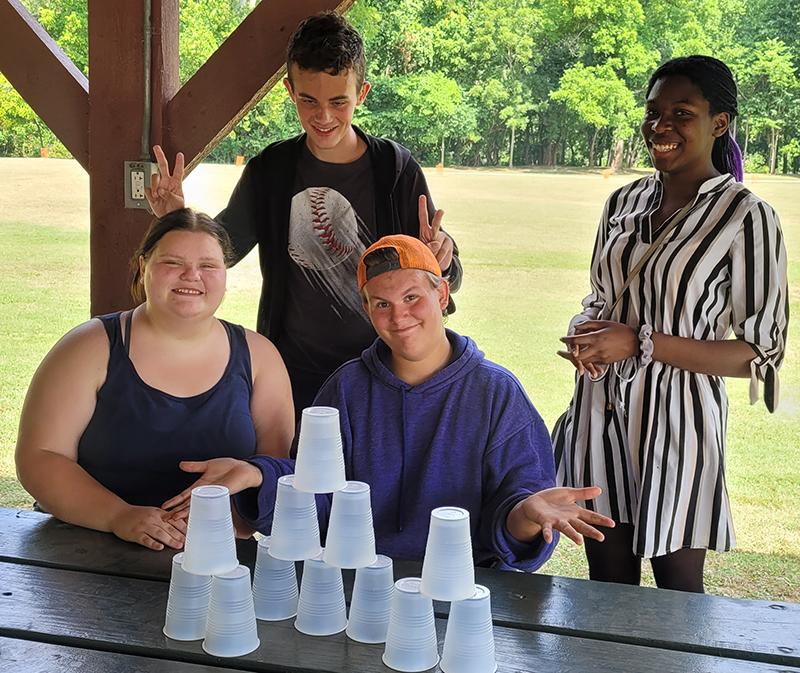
x,y
656,444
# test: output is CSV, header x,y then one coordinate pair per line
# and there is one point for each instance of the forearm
x,y
67,491
730,357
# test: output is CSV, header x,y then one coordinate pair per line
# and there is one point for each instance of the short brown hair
x,y
184,219
326,42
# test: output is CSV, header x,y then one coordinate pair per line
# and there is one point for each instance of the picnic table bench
x,y
73,599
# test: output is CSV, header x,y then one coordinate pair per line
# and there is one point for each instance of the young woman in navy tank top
x,y
124,404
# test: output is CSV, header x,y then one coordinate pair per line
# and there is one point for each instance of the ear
x,y
288,84
141,268
444,294
365,87
721,122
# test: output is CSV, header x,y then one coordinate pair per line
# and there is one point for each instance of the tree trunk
x,y
511,148
773,149
619,152
591,147
441,160
746,140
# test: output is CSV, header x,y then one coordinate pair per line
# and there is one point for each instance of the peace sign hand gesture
x,y
166,189
430,233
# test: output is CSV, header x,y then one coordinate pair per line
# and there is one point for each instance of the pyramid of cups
x,y
211,596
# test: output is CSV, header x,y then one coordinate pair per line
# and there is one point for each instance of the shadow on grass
x,y
736,574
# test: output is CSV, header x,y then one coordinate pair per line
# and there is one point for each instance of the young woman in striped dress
x,y
647,420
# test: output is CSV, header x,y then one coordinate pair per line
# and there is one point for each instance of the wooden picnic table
x,y
72,599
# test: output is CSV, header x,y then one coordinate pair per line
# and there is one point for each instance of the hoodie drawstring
x,y
400,505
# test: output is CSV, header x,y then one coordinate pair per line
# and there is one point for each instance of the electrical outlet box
x,y
137,177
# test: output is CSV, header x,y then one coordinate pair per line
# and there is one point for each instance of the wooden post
x,y
116,103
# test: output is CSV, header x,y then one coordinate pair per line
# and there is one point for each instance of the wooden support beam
x,y
235,77
116,105
45,77
166,64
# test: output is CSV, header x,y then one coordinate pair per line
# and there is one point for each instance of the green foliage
x,y
754,163
479,82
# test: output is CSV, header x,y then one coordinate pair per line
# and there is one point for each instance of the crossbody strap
x,y
673,222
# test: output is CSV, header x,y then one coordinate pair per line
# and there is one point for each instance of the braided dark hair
x,y
715,80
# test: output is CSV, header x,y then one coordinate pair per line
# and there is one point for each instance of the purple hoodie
x,y
467,437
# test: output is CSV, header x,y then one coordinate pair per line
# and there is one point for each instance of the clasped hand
x,y
150,527
599,342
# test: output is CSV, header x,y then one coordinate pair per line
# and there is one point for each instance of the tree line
x,y
501,82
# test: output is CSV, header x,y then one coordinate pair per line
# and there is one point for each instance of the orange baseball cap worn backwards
x,y
409,253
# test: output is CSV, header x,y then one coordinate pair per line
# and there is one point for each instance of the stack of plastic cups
x,y
321,610
210,547
469,641
295,529
371,602
231,628
187,605
319,467
351,536
447,570
411,636
274,585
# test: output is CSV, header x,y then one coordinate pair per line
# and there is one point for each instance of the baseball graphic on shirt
x,y
326,240
323,229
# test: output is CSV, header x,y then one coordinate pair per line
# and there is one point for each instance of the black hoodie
x,y
259,209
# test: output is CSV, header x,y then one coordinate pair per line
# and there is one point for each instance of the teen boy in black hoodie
x,y
315,202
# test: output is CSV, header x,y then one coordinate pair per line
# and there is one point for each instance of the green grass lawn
x,y
525,239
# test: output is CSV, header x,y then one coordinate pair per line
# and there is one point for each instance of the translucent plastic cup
x,y
371,602
447,570
187,605
321,610
274,585
351,537
411,637
210,547
231,627
469,641
319,467
295,529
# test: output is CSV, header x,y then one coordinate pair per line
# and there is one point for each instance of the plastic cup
x,y
295,529
231,627
351,537
447,570
371,602
321,610
469,640
274,585
187,605
210,547
319,467
411,636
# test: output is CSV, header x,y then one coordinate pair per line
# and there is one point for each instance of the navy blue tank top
x,y
138,434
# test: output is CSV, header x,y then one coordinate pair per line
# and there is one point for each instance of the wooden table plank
x,y
757,630
40,539
28,656
125,615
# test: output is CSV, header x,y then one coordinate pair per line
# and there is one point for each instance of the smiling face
x,y
184,274
679,129
406,312
325,105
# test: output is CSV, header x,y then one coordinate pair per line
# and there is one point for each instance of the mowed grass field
x,y
525,239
